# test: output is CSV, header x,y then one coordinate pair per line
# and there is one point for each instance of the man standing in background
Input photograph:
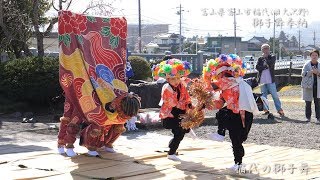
x,y
265,67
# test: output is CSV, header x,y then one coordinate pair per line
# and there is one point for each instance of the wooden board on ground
x,y
144,157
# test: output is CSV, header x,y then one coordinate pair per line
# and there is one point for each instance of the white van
x,y
248,58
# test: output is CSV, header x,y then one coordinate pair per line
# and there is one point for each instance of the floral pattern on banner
x,y
71,23
116,31
118,28
92,61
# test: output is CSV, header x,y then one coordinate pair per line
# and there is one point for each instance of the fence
x,y
197,61
280,64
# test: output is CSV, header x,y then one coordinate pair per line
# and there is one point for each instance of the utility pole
x,y
235,30
299,40
180,43
274,34
139,37
314,38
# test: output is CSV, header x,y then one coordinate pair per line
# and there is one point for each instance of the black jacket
x,y
271,60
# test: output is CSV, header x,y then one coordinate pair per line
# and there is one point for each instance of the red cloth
x,y
92,63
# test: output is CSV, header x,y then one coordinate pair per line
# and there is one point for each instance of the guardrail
x,y
280,64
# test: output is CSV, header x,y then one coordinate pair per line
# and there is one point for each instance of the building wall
x,y
148,31
50,44
226,44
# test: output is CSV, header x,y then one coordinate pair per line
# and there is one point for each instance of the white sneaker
x,y
110,150
235,168
173,157
93,153
70,152
216,137
193,134
318,121
61,150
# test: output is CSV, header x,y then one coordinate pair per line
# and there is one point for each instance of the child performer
x,y
175,99
236,103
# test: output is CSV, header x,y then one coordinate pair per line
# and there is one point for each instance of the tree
x,y
20,18
174,49
15,27
294,41
283,37
190,48
276,45
40,7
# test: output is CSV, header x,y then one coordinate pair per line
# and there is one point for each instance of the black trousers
x,y
177,131
237,133
316,105
221,116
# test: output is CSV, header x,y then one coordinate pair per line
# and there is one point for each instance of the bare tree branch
x,y
100,7
1,12
35,19
53,21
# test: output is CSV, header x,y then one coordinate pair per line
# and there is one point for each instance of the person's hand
x,y
314,70
131,124
265,64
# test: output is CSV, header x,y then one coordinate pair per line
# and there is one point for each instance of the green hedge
x,y
30,80
141,68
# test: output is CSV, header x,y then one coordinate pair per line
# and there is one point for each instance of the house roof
x,y
310,47
261,39
152,45
167,35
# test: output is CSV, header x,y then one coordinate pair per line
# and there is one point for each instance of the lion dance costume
x,y
236,101
92,72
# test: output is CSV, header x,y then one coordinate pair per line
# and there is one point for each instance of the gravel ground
x,y
291,131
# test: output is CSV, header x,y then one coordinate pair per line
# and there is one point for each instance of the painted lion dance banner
x,y
92,73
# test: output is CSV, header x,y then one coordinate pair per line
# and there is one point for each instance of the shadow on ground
x,y
13,149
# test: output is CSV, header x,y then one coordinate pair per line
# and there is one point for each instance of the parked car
x,y
248,58
299,56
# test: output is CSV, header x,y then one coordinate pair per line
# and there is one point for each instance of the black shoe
x,y
270,116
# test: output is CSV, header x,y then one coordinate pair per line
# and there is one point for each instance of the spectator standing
x,y
265,67
310,86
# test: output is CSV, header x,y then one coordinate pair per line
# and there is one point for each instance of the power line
x,y
235,31
139,7
180,35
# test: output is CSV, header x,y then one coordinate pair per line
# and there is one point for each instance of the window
x,y
164,41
